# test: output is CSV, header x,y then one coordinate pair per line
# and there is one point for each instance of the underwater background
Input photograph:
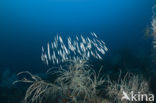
x,y
27,25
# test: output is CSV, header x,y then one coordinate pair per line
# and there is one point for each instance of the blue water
x,y
26,25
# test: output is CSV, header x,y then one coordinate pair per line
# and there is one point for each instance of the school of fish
x,y
78,48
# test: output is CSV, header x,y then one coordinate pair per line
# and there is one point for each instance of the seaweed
x,y
78,82
130,82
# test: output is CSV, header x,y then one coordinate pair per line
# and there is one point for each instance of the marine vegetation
x,y
153,23
130,82
79,83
